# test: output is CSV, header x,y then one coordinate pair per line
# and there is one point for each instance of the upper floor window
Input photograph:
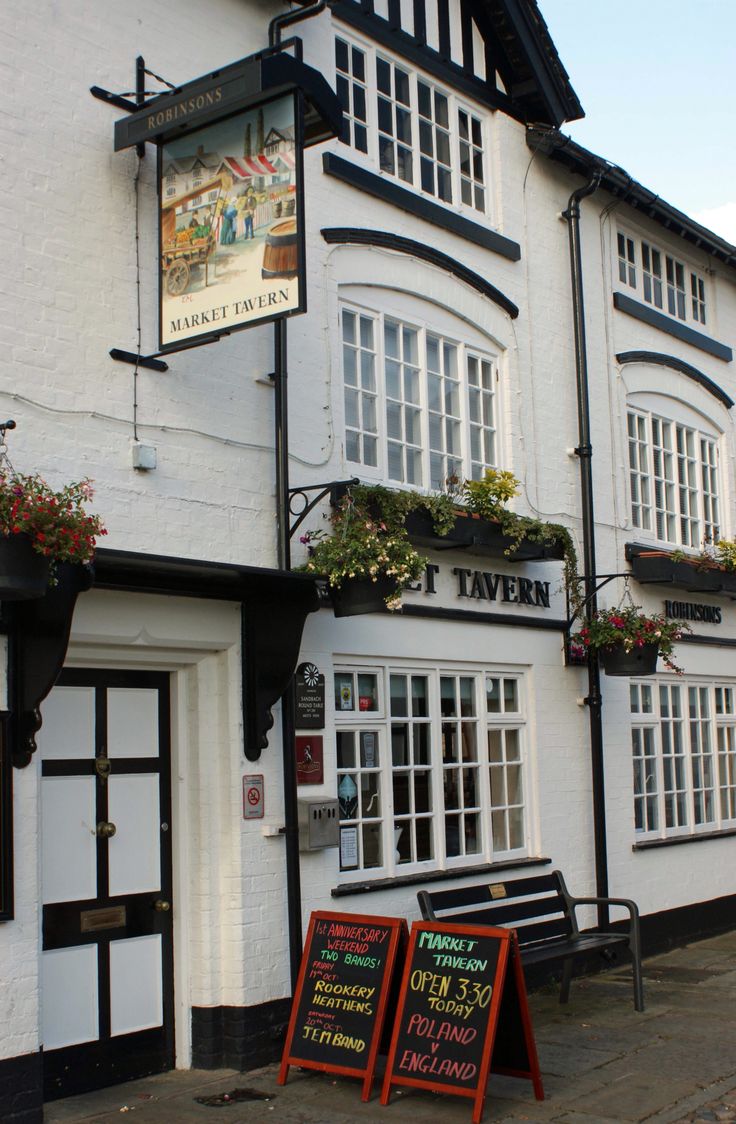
x,y
395,146
413,129
661,279
673,480
430,766
684,757
420,406
351,90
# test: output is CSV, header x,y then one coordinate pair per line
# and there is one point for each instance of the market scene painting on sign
x,y
230,224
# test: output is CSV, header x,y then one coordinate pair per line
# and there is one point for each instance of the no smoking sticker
x,y
253,796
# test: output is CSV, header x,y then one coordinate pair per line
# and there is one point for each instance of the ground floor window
x,y
431,766
684,757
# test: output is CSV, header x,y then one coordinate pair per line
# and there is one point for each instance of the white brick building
x,y
435,221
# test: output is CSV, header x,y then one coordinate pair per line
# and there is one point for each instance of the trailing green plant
x,y
630,628
368,535
488,498
723,553
393,505
56,522
368,539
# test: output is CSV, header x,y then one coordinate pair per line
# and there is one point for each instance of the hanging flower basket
x,y
628,640
368,561
362,595
39,530
615,660
24,574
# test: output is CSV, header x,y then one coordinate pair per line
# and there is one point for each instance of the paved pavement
x,y
600,1060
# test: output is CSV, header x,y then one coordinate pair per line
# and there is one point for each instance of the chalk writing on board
x,y
340,1001
452,994
448,992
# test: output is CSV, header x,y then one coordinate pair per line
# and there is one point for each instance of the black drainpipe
x,y
585,454
275,26
288,718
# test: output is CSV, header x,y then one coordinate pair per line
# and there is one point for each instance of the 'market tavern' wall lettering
x,y
482,586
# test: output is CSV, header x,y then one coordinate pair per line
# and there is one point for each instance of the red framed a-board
x,y
341,998
462,1013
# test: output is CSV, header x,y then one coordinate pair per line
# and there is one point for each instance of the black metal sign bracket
x,y
300,505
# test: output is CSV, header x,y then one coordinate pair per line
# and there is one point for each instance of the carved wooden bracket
x,y
275,606
39,635
272,633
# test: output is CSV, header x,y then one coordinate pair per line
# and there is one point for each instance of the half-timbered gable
x,y
496,51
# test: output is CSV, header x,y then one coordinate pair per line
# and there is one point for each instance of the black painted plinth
x,y
242,1038
21,1099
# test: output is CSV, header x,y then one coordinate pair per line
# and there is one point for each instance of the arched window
x,y
676,424
673,477
420,394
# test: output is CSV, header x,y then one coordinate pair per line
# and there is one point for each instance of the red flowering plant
x,y
56,522
630,628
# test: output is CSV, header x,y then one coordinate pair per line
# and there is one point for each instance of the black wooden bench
x,y
542,912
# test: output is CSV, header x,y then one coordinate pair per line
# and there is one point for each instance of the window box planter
x,y
639,661
361,595
478,536
658,567
24,573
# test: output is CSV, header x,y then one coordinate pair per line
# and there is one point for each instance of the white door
x,y
107,976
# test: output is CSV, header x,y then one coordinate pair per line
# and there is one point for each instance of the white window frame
x,y
465,176
462,437
660,278
683,736
501,751
675,485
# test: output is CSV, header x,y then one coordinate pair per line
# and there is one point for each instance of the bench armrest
x,y
626,903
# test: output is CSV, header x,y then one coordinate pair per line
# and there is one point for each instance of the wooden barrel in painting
x,y
280,253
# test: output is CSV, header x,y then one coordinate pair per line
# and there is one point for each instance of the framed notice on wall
x,y
231,229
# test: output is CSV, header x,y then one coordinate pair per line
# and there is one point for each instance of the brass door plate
x,y
110,917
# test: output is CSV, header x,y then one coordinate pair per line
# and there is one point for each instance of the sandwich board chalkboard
x,y
462,1012
342,993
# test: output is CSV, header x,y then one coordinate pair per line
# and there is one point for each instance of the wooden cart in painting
x,y
192,246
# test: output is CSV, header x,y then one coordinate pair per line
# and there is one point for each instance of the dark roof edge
x,y
571,109
136,572
563,149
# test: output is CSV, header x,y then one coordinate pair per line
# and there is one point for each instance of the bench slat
x,y
539,953
510,912
457,897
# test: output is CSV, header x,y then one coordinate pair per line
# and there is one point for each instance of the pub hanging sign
x,y
230,179
231,224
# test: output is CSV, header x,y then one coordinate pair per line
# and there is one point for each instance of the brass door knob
x,y
162,906
106,830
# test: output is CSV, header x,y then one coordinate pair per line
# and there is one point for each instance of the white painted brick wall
x,y
69,294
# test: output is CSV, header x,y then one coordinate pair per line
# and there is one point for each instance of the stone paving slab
x,y
602,1062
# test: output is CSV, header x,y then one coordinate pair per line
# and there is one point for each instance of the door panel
x,y
70,714
136,1001
69,843
106,880
132,723
134,853
70,996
